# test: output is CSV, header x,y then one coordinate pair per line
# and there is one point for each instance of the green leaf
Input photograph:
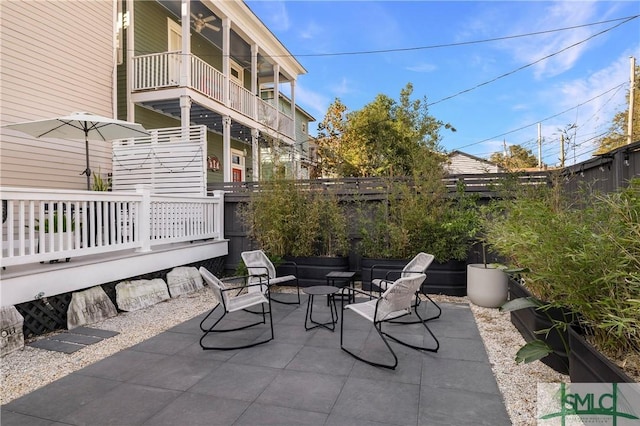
x,y
521,303
533,351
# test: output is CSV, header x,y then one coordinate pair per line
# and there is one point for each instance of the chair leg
x,y
228,348
419,348
367,361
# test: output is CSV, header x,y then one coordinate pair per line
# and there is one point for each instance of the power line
x,y
542,120
530,64
463,43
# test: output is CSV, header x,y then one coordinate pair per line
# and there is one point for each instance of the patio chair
x,y
260,269
417,265
232,298
396,301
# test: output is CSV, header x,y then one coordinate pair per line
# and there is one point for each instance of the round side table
x,y
321,290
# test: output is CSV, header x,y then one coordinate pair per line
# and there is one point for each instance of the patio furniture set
x,y
395,299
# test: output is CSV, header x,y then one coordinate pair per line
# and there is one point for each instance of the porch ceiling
x,y
240,49
201,116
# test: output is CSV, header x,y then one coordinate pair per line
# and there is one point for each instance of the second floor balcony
x,y
162,71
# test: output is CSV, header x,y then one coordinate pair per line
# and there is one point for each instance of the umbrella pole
x,y
88,169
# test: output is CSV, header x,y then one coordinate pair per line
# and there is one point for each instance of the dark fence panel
x,y
605,173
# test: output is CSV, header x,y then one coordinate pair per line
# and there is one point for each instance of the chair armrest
x,y
389,268
242,287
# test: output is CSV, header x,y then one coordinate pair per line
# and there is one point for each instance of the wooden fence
x,y
605,173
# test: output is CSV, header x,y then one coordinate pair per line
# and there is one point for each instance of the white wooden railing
x,y
207,79
160,70
268,115
156,70
43,225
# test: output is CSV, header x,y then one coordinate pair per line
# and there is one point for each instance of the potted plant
x,y
487,284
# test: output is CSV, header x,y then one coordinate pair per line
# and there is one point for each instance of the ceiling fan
x,y
199,22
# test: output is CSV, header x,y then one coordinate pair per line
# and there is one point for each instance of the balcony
x,y
162,71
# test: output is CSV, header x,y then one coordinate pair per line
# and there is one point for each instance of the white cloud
x,y
313,102
423,67
311,31
275,15
342,87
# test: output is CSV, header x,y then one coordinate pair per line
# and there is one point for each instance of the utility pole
x,y
562,150
539,146
631,99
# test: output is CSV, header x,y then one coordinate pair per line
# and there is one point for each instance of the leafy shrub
x,y
287,220
585,257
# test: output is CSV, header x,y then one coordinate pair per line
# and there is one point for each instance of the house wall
x,y
460,164
53,64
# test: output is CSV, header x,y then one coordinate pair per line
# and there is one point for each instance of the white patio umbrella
x,y
81,125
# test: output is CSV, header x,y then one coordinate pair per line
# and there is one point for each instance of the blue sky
x,y
588,81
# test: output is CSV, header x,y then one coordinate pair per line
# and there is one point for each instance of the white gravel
x,y
26,370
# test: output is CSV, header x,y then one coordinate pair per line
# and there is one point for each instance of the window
x,y
237,73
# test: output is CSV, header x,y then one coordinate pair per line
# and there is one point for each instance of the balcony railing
x,y
44,225
162,70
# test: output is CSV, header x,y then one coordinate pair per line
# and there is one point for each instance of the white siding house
x,y
52,64
463,163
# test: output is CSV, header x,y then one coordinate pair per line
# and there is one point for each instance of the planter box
x,y
448,278
588,365
528,321
313,270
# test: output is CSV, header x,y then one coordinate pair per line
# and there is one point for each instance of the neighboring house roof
x,y
461,163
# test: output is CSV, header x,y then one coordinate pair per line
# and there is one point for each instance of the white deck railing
x,y
160,70
43,225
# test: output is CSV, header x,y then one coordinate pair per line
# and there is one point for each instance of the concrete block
x,y
184,280
11,334
139,294
89,306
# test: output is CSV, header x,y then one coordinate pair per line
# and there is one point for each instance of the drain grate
x,y
73,340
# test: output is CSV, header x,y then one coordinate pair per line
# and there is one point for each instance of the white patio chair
x,y
233,298
417,265
396,301
260,269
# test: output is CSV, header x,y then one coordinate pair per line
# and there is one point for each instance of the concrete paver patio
x,y
300,377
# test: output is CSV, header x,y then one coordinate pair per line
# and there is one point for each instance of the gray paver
x,y
298,378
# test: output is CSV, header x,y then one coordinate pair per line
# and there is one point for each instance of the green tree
x,y
329,139
517,158
617,133
384,138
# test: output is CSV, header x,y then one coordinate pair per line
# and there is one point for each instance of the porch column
x,y
298,145
226,69
185,62
185,115
276,95
254,79
255,154
226,148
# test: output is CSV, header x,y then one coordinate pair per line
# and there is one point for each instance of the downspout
x,y
131,116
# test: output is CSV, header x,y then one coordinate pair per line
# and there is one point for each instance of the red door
x,y
236,175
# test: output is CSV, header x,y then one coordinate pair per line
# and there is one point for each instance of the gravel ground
x,y
26,370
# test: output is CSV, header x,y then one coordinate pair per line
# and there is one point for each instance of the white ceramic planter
x,y
486,287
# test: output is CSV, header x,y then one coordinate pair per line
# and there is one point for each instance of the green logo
x,y
594,403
